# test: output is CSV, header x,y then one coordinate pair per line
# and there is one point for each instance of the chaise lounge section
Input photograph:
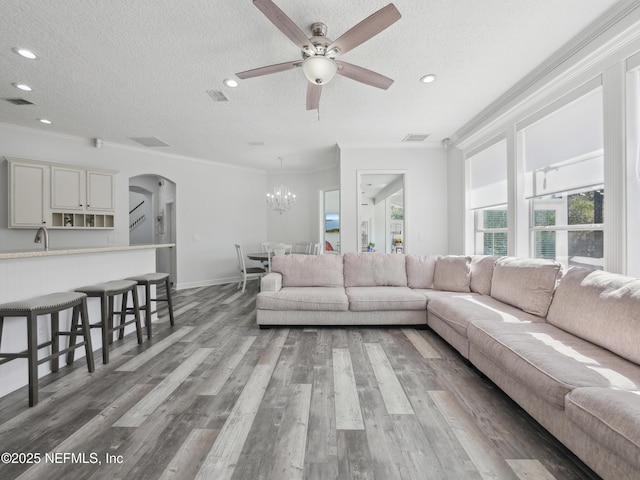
x,y
563,345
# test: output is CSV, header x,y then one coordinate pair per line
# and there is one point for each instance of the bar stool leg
x,y
169,301
147,308
32,347
123,314
86,331
106,333
72,337
136,313
55,339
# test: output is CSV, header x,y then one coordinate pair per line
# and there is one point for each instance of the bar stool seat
x,y
51,304
146,280
107,292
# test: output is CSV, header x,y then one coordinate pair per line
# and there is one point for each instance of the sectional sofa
x,y
565,345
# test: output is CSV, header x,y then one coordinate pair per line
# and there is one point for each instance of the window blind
x,y
564,150
488,176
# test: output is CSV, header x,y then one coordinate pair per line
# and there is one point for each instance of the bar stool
x,y
147,280
51,304
106,292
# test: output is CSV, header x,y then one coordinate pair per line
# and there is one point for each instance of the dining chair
x,y
264,246
275,249
302,247
247,272
282,249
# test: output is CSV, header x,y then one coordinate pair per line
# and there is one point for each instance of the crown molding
x,y
617,28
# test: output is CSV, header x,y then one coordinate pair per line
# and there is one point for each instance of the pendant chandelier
x,y
281,199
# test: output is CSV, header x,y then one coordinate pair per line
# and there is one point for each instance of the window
x,y
569,228
491,231
564,164
488,199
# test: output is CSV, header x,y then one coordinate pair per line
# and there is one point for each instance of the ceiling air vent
x,y
150,141
415,137
19,101
217,95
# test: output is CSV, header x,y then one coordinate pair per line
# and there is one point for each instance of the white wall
x,y
303,222
456,201
425,193
216,204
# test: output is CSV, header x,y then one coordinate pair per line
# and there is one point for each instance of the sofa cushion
x,y
374,270
481,273
430,293
420,270
304,298
610,416
309,270
548,360
526,283
458,310
453,273
385,298
601,307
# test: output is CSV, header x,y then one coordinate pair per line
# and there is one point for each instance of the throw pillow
x,y
453,274
420,270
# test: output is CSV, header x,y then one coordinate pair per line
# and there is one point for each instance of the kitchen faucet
x,y
38,238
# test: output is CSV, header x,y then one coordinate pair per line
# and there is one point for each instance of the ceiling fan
x,y
319,52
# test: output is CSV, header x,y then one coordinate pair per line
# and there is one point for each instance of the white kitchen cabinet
x,y
68,188
100,190
80,189
60,196
28,189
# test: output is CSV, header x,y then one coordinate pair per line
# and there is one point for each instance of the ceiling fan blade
x,y
369,27
280,67
313,95
363,75
284,23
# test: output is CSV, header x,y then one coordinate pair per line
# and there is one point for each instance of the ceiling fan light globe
x,y
319,69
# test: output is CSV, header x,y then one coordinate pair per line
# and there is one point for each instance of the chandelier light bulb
x,y
281,199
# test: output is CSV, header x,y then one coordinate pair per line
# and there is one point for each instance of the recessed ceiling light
x,y
44,120
230,82
25,53
428,78
23,87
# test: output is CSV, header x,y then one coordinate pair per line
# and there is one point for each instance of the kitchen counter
x,y
29,273
13,254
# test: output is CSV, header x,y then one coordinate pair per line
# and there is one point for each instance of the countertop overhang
x,y
13,254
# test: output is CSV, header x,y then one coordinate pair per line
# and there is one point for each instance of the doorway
x,y
331,221
152,218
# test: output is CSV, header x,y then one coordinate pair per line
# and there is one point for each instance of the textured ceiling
x,y
119,69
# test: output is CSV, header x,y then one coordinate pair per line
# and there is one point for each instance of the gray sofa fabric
x,y
304,298
564,345
385,298
605,414
526,283
601,307
453,274
553,360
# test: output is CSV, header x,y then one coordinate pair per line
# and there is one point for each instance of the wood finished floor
x,y
217,398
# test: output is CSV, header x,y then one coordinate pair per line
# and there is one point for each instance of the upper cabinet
x,y
100,190
81,189
68,188
60,196
27,194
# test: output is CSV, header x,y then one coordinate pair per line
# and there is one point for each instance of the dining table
x,y
259,256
